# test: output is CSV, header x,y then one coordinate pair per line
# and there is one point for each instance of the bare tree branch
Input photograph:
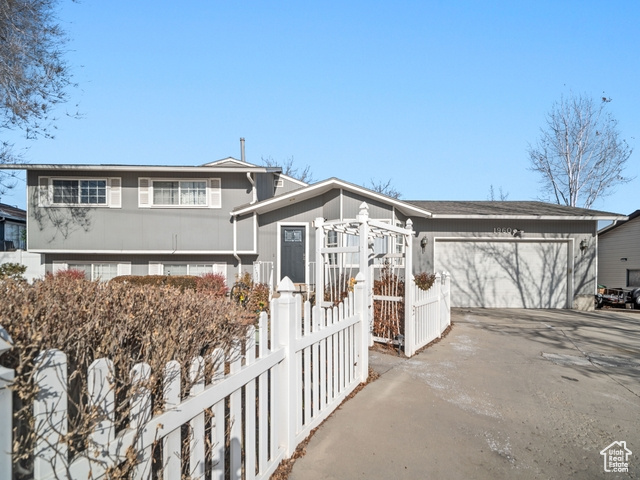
x,y
34,76
288,168
385,188
501,197
579,155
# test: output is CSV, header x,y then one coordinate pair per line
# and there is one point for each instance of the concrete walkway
x,y
507,394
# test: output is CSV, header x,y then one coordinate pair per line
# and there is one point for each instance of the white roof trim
x,y
527,217
323,186
142,252
140,168
229,160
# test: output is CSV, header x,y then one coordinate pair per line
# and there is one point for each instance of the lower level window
x,y
195,269
633,278
95,271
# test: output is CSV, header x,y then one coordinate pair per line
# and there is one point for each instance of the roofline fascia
x,y
529,217
138,168
140,252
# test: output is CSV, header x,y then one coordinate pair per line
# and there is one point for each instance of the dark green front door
x,y
292,242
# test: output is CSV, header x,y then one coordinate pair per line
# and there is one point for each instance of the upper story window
x,y
79,192
89,192
179,193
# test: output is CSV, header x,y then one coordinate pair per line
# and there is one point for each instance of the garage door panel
x,y
505,274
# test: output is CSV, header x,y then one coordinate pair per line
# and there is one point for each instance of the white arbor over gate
x,y
345,248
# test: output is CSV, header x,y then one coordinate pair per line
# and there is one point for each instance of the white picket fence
x,y
305,364
427,313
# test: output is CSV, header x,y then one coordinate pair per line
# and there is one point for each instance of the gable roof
x,y
319,188
511,209
12,213
229,162
618,223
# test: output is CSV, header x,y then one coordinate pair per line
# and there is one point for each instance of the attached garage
x,y
506,274
511,254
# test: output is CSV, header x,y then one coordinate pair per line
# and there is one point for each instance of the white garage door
x,y
505,274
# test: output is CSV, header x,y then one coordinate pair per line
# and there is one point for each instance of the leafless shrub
x,y
124,323
388,316
425,280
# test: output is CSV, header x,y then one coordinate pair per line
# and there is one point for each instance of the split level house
x,y
231,216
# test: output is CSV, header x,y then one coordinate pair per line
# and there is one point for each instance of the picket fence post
x,y
409,286
50,414
284,311
360,308
6,408
438,284
366,267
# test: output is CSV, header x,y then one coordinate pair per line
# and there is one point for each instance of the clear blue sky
x,y
440,97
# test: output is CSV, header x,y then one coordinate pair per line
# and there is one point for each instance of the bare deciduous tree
x,y
34,76
500,197
289,169
579,156
385,188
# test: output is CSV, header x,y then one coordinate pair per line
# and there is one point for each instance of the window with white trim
x,y
633,278
85,192
185,268
179,193
96,271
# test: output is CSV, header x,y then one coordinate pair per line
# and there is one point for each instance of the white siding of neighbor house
x,y
621,242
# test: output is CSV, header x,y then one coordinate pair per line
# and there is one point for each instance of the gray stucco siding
x,y
245,237
351,203
331,209
304,212
131,227
582,264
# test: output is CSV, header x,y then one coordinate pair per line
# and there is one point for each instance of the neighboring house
x,y
619,253
231,216
13,223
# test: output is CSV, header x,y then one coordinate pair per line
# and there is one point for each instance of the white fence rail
x,y
305,363
427,313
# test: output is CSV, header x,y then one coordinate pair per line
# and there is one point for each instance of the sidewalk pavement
x,y
516,396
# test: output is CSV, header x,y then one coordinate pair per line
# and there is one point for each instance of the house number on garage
x,y
502,230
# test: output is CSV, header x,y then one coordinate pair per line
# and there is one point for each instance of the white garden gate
x,y
397,310
382,252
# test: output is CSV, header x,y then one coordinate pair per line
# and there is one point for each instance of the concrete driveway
x,y
507,394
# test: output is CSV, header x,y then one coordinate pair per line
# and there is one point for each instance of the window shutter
x,y
124,269
215,193
115,193
155,268
144,192
44,199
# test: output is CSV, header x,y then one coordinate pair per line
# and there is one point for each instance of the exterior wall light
x,y
583,245
423,242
